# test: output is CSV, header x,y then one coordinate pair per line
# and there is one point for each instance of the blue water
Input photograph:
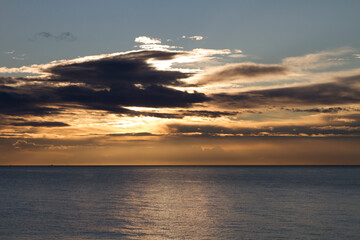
x,y
179,203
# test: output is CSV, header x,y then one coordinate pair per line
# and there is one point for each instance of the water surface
x,y
179,203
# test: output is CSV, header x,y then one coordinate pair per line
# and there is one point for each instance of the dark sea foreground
x,y
179,203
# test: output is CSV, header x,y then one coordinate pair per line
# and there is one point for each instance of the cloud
x,y
109,83
152,55
25,101
180,114
210,52
344,91
128,95
7,80
204,113
316,94
189,150
158,94
321,110
237,53
202,129
113,82
345,125
352,80
157,47
18,58
153,44
242,71
23,69
23,144
131,68
147,40
138,134
317,60
192,60
197,38
40,124
64,36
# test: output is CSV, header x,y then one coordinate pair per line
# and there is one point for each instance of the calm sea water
x,y
179,203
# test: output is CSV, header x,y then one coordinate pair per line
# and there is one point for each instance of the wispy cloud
x,y
318,60
18,58
23,144
64,36
344,91
236,71
197,38
345,129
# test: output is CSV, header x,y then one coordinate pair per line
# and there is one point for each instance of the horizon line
x,y
185,165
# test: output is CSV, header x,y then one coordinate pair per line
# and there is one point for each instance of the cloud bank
x,y
193,100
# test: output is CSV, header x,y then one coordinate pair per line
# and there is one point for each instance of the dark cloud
x,y
119,71
251,70
336,126
139,134
241,70
321,110
350,80
64,36
316,94
210,114
112,99
186,113
203,129
7,80
116,82
126,80
36,100
14,102
40,124
351,119
159,115
108,84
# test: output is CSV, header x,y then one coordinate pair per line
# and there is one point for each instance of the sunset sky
x,y
179,82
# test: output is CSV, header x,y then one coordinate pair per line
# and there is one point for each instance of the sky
x,y
179,82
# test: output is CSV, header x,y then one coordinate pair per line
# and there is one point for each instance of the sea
x,y
180,202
